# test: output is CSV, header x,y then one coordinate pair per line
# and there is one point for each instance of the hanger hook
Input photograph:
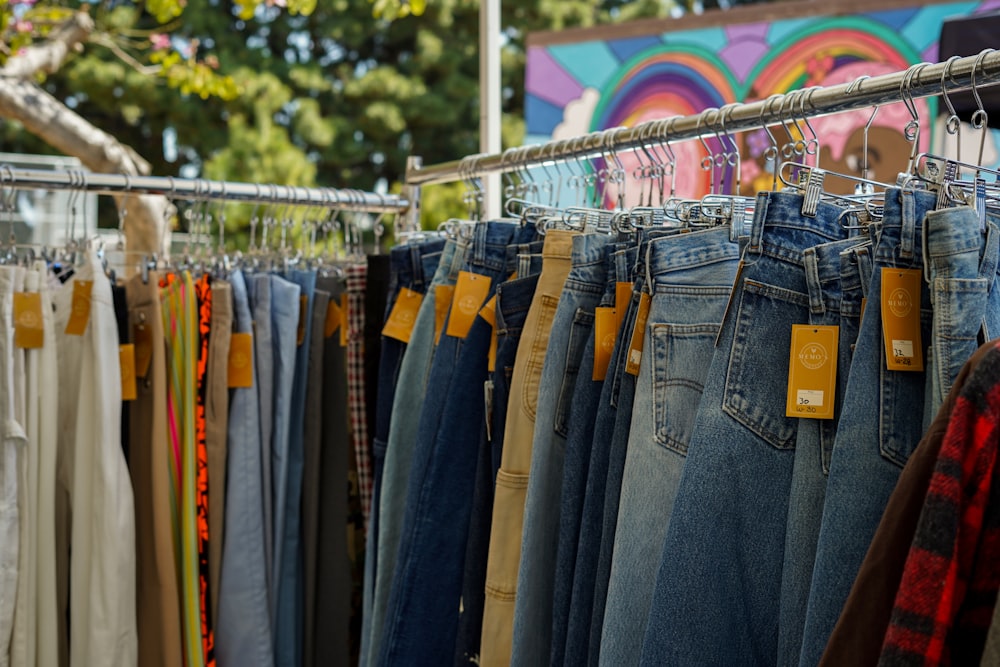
x,y
980,119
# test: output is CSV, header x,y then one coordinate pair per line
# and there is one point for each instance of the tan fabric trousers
x,y
158,604
216,425
512,479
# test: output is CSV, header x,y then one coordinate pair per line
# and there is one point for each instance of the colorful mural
x,y
574,88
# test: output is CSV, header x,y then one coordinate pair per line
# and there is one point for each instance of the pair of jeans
x,y
512,305
411,266
834,272
243,633
572,326
879,427
422,618
689,277
11,444
961,261
288,627
512,479
584,480
259,295
716,596
411,389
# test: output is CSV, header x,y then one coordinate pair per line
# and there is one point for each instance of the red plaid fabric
x,y
949,588
356,275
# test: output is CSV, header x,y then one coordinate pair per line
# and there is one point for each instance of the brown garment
x,y
216,429
158,605
858,636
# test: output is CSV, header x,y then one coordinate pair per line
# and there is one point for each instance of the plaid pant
x,y
356,277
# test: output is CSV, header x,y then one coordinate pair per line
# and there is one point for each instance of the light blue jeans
x,y
690,277
243,635
572,325
259,292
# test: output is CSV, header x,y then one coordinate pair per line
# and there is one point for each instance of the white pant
x,y
92,469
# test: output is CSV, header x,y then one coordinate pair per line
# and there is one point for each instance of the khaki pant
x,y
158,593
512,479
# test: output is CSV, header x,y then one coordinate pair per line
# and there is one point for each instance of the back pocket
x,y
681,356
536,355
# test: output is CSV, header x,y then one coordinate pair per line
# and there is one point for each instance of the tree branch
x,y
48,56
63,129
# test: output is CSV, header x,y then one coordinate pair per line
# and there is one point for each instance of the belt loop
x,y
909,224
991,255
811,265
863,256
479,235
757,227
417,267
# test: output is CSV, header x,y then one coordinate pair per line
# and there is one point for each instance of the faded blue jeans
x,y
716,597
880,425
572,326
690,277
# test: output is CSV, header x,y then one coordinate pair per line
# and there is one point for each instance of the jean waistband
x,y
780,228
558,244
899,235
822,271
488,247
590,249
452,261
412,265
684,251
856,268
952,231
241,302
617,265
516,250
514,300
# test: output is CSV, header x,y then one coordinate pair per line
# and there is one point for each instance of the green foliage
x,y
335,93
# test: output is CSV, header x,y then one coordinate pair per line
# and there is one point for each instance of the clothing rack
x,y
199,189
920,80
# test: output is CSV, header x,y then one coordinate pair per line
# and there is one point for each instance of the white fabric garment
x,y
36,624
11,441
92,468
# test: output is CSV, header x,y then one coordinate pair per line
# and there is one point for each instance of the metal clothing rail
x,y
921,80
201,189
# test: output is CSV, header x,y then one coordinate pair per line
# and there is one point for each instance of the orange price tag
x,y
443,295
901,319
300,334
126,364
333,319
623,295
344,321
29,327
241,361
812,371
80,314
638,336
470,292
403,315
143,338
605,331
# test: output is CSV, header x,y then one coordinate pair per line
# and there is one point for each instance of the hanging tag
x,y
442,304
80,314
143,338
470,292
300,334
126,365
901,319
605,331
29,328
638,335
812,371
403,315
344,319
333,318
623,295
241,361
489,313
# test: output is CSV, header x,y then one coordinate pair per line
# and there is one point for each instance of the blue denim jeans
x,y
579,442
606,488
572,326
716,596
284,333
879,427
422,618
833,281
411,266
690,277
513,301
962,266
288,629
243,633
410,391
259,291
